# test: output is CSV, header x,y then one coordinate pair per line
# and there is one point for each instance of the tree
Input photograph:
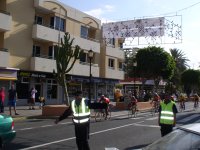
x,y
155,63
181,66
66,56
191,80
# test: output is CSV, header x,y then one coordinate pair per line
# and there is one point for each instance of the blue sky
x,y
118,10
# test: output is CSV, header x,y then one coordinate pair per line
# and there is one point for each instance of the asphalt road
x,y
120,132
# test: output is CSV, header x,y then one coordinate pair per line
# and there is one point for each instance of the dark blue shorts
x,y
12,103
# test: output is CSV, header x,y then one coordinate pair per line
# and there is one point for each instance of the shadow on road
x,y
136,147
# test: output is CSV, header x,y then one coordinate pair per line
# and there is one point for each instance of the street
x,y
120,132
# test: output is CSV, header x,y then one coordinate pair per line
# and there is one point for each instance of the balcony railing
x,y
42,56
4,49
4,12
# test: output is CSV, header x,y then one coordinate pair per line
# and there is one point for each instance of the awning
x,y
8,73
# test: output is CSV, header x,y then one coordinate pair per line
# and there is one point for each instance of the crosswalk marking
x,y
153,118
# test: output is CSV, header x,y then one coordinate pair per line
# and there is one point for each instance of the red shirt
x,y
2,96
105,100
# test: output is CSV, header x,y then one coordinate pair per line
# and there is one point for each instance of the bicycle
x,y
100,114
181,106
132,110
196,105
155,107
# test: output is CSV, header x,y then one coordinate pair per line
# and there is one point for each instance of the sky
x,y
123,10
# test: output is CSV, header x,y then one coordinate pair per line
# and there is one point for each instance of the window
x,y
120,65
111,42
83,57
25,80
57,23
84,32
51,89
36,51
38,20
22,90
111,63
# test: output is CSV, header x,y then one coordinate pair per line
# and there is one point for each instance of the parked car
x,y
186,137
7,132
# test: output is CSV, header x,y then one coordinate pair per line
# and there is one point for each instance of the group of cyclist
x,y
156,99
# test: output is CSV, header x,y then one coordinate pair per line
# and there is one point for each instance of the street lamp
x,y
134,66
90,56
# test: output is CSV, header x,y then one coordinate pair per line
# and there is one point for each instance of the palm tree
x,y
181,66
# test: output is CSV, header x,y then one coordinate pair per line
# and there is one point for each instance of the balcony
x,y
115,52
4,57
45,33
114,74
5,25
43,64
47,65
87,43
83,69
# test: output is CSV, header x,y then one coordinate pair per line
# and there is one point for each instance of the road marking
x,y
143,125
44,126
153,118
68,139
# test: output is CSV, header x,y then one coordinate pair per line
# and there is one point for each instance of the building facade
x,y
29,32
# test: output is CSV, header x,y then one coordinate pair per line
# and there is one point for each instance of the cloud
x,y
100,12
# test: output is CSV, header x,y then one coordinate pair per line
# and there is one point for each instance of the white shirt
x,y
33,93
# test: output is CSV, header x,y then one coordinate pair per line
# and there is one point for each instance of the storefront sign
x,y
35,74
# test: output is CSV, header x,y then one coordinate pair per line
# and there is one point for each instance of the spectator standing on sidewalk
x,y
32,101
2,99
12,97
167,115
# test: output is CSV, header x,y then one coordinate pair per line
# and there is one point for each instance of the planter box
x,y
121,106
53,110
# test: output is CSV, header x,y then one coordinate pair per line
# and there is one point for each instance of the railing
x,y
3,49
48,26
42,56
4,12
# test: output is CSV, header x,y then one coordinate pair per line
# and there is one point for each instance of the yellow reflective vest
x,y
81,113
167,115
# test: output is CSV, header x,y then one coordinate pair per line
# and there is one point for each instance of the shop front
x,y
8,76
48,88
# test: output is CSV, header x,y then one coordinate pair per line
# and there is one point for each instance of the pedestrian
x,y
167,115
2,99
80,108
12,98
32,100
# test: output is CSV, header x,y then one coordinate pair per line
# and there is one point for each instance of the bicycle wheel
x,y
130,113
180,108
98,116
153,111
134,111
109,112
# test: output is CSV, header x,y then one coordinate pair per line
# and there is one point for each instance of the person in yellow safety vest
x,y
167,115
80,108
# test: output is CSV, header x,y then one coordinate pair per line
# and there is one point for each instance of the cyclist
x,y
133,103
196,100
156,101
182,101
106,101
